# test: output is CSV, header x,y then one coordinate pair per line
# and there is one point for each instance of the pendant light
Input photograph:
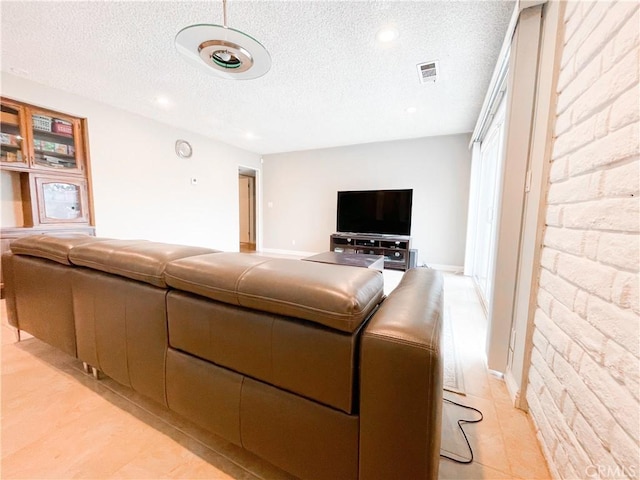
x,y
228,53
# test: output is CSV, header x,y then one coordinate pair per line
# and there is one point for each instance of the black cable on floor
x,y
460,423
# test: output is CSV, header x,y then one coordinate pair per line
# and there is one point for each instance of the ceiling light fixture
x,y
163,101
228,53
387,34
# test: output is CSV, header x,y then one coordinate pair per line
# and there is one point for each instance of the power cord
x,y
461,422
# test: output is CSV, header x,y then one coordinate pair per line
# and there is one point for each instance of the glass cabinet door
x,y
13,152
61,201
55,140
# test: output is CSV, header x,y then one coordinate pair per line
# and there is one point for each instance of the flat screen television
x,y
375,211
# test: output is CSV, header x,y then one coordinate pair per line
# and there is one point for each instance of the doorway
x,y
247,208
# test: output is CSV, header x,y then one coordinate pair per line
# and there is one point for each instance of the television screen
x,y
375,211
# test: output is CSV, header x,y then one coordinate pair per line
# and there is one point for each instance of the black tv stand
x,y
395,248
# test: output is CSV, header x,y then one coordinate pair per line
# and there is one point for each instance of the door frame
x,y
253,172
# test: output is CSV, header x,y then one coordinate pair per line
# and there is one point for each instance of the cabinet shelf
x,y
43,133
57,166
55,154
395,249
9,118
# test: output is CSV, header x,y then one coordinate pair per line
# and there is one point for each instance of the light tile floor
x,y
58,422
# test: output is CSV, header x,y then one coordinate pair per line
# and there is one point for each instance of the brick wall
x,y
583,391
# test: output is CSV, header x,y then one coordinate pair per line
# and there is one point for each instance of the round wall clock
x,y
183,149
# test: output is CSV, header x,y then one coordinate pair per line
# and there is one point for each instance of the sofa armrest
x,y
401,381
9,289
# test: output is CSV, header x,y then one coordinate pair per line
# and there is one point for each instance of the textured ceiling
x,y
331,83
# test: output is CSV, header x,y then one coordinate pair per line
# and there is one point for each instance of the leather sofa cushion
x,y
121,329
44,312
336,296
140,260
300,436
303,358
54,248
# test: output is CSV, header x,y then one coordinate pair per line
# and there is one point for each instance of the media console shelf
x,y
395,248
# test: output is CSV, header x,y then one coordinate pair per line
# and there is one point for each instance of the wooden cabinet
x,y
396,249
46,154
56,142
46,177
39,139
13,146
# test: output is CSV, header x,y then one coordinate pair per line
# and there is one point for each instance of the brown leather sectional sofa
x,y
306,364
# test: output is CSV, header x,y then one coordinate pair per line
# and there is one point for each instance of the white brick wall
x,y
584,382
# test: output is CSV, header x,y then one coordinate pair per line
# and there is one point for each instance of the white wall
x,y
300,193
141,188
584,381
11,213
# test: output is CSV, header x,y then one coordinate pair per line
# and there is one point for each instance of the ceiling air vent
x,y
428,72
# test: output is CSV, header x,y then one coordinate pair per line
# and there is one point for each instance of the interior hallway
x,y
58,422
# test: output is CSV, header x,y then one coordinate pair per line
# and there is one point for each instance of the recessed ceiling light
x,y
411,110
163,101
251,136
387,34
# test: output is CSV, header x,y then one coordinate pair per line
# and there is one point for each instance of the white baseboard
x,y
446,268
512,388
289,253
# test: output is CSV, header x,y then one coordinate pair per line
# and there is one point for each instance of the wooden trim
x,y
28,137
41,180
84,124
10,118
18,232
29,205
27,140
78,143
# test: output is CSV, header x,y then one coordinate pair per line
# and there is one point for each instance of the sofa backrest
x,y
338,297
55,248
140,260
